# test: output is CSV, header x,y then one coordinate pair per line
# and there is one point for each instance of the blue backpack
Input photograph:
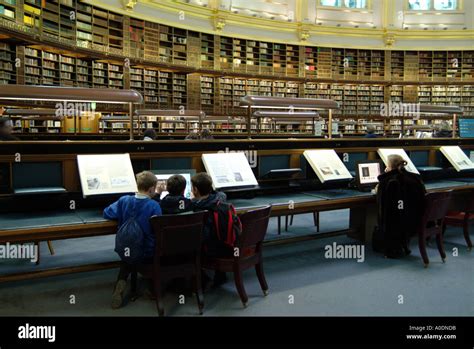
x,y
129,241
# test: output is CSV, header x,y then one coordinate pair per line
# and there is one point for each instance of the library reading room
x,y
224,158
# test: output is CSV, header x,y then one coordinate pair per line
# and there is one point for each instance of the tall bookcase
x,y
207,51
8,9
7,64
161,58
136,31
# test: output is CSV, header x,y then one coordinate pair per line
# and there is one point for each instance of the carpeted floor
x,y
301,280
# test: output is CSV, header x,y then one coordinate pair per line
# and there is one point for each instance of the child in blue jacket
x,y
145,208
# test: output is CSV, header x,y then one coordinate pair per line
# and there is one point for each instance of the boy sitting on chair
x,y
175,202
139,208
205,198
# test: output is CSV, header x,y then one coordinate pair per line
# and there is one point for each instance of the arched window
x,y
432,5
445,5
345,3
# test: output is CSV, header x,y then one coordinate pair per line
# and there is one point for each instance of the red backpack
x,y
226,225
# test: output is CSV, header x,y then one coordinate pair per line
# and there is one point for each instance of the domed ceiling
x,y
389,24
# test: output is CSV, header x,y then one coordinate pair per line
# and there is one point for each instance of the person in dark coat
x,y
149,135
370,132
6,130
443,130
400,200
206,134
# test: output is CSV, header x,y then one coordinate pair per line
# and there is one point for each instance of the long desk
x,y
42,226
43,217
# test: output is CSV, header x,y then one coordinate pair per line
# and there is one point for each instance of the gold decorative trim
x,y
219,22
388,39
221,19
129,4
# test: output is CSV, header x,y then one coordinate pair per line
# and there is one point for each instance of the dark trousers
x,y
126,269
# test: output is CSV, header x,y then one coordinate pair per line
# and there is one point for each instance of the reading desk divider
x,y
287,117
290,104
44,114
72,94
189,115
448,111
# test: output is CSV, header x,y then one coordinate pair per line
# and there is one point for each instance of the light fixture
x,y
72,94
69,94
285,114
287,103
162,112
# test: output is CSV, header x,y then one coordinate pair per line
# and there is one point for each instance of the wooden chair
x,y
254,228
177,254
436,207
461,219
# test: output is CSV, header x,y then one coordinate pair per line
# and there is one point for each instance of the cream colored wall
x,y
382,26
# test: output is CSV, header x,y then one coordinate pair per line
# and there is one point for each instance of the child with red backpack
x,y
222,230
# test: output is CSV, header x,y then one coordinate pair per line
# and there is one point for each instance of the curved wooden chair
x,y
462,219
436,207
177,254
249,248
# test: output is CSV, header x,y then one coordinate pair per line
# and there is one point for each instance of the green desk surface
x,y
12,221
464,180
283,199
333,194
428,168
39,191
443,184
91,215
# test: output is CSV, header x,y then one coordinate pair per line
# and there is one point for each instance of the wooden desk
x,y
55,223
86,223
